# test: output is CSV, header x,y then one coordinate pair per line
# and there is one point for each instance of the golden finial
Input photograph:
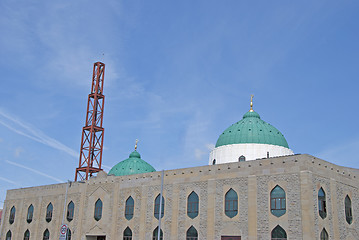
x,y
251,110
136,145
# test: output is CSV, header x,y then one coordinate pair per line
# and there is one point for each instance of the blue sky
x,y
177,75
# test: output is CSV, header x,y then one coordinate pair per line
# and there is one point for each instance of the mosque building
x,y
254,187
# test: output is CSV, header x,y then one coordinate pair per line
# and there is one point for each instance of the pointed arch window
x,y
155,234
157,207
8,235
98,210
70,211
12,215
277,201
49,210
27,235
192,205
68,234
242,158
324,235
322,205
191,234
348,210
231,203
30,213
46,235
127,234
214,162
129,208
278,233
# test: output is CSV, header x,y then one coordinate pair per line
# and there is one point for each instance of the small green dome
x,y
252,129
132,165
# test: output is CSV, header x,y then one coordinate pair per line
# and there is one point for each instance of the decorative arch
x,y
192,234
242,158
155,234
49,210
277,201
27,235
278,233
46,235
98,210
129,208
70,211
8,235
127,234
322,205
192,205
324,235
231,203
348,210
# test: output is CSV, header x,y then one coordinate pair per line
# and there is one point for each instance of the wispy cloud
x,y
9,181
34,171
29,131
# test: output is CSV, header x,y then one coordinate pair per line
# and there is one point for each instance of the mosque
x,y
254,187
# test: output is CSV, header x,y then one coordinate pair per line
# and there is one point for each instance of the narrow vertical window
x,y
324,235
278,233
30,214
231,203
127,234
214,162
8,235
49,212
68,234
27,235
277,201
70,211
322,206
348,210
192,205
242,158
191,234
129,208
157,206
12,215
155,234
98,210
46,235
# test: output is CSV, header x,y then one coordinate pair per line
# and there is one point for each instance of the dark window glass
x,y
30,214
191,234
231,203
98,210
70,211
348,209
68,234
192,205
49,212
157,206
46,235
129,208
277,201
214,162
322,206
12,215
8,235
155,234
324,235
27,235
242,158
127,234
278,233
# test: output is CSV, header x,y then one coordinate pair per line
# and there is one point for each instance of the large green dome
x,y
132,165
252,129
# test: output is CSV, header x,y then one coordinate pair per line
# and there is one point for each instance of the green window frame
x,y
231,203
156,211
12,215
127,234
278,233
192,234
278,201
322,204
192,205
98,210
129,208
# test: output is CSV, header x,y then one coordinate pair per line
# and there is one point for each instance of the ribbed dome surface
x,y
132,165
252,129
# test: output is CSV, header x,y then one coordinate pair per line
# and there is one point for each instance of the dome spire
x,y
136,145
251,110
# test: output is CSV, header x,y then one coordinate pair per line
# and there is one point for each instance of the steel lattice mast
x,y
93,132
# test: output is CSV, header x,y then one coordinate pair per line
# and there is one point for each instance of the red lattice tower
x,y
93,132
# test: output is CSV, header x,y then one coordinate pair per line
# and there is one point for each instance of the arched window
x,y
324,235
27,235
8,235
348,209
192,205
12,215
191,234
49,212
277,201
70,211
30,214
157,207
155,234
127,234
231,203
68,234
214,162
242,159
278,233
322,206
46,235
130,206
98,210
